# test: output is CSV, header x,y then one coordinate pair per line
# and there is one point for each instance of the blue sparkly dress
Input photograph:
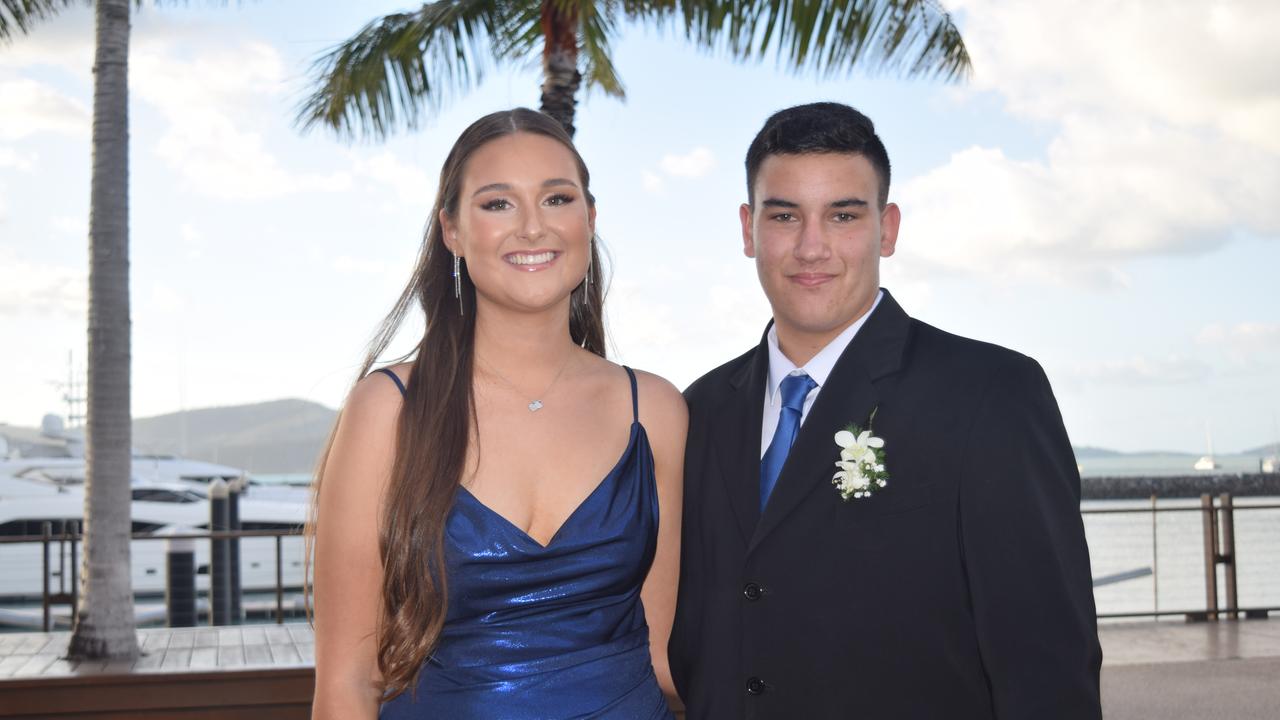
x,y
549,632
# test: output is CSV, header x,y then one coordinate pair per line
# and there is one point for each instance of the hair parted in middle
x,y
438,411
822,127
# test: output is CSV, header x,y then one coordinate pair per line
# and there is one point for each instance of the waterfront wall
x,y
1181,486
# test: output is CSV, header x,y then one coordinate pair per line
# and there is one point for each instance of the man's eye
x,y
784,217
845,217
496,204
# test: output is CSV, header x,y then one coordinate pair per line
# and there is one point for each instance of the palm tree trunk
x,y
105,627
560,63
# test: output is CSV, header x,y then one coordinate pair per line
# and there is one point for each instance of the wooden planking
x,y
246,673
165,650
243,695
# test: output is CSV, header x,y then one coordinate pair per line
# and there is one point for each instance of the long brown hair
x,y
439,409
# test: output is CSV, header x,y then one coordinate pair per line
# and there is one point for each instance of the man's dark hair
x,y
823,127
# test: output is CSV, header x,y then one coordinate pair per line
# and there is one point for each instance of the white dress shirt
x,y
819,368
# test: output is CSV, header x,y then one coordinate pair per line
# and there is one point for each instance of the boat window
x,y
164,496
27,526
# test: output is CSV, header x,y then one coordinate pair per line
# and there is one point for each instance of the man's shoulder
x,y
970,359
716,383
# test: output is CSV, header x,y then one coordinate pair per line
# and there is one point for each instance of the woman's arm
x,y
666,420
348,565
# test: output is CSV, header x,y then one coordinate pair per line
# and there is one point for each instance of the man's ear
x,y
890,220
748,242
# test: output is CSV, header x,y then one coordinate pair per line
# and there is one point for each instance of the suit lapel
x,y
848,396
737,439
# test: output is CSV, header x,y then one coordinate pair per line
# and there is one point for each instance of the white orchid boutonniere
x,y
861,462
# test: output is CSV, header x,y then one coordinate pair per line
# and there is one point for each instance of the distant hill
x,y
1094,452
1268,449
280,436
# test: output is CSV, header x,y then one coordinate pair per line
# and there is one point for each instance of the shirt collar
x,y
819,366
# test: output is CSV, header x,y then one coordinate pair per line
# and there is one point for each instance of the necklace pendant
x,y
535,406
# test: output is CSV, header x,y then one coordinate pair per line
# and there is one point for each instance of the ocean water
x,y
1163,464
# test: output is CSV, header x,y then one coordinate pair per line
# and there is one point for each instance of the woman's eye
x,y
560,199
496,204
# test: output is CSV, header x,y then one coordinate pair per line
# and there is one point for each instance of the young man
x,y
960,588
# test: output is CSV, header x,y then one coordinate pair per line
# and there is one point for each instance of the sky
x,y
1100,195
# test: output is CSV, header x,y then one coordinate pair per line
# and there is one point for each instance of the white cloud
x,y
1169,370
1245,336
166,300
1158,150
652,183
412,185
693,164
211,101
214,87
16,159
29,288
29,107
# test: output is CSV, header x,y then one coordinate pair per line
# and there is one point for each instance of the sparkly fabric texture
x,y
554,632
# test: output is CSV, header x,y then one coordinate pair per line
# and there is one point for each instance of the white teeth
x,y
517,259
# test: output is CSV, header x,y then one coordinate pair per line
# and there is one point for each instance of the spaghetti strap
x,y
635,396
400,385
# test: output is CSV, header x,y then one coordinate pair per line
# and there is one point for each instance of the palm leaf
x,y
402,65
912,37
599,25
18,16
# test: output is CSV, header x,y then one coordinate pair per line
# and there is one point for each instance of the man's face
x,y
817,234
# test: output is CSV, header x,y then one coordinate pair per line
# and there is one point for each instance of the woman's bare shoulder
x,y
662,408
376,396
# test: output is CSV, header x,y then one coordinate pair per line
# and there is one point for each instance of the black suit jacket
x,y
960,590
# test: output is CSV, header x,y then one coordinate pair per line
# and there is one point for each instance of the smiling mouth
x,y
811,279
531,260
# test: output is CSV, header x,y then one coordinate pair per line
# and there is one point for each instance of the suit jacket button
x,y
755,685
752,591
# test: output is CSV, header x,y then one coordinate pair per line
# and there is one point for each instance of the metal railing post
x,y
1155,563
280,580
75,573
1210,557
219,556
1228,556
233,523
46,531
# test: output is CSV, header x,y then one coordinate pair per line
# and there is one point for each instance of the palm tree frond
x,y
597,29
18,16
912,37
401,65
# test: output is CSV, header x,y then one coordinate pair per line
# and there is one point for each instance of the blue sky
x,y
1098,196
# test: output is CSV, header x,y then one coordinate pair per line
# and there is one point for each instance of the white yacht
x,y
170,496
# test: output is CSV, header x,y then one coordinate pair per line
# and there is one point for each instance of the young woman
x,y
497,520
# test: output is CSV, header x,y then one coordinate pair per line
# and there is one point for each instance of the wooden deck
x,y
254,671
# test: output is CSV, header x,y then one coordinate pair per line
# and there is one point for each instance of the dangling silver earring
x,y
457,282
591,247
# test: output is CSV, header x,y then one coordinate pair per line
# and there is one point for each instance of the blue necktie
x,y
795,388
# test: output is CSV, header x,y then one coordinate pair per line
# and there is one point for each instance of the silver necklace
x,y
536,404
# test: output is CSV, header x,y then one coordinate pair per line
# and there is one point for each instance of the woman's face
x,y
523,226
